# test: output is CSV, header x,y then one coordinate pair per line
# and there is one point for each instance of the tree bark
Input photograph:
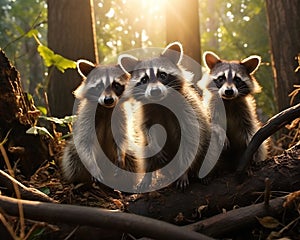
x,y
284,24
71,33
17,114
182,24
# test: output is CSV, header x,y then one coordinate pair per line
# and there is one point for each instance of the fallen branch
x,y
88,216
6,181
273,125
223,193
237,219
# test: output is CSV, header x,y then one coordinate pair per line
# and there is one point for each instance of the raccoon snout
x,y
229,92
155,92
109,101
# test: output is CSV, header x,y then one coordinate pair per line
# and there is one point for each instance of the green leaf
x,y
53,119
38,130
47,55
52,59
69,119
29,97
45,190
62,63
42,109
60,121
31,33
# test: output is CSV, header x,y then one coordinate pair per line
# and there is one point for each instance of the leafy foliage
x,y
127,24
18,21
35,130
52,59
60,121
234,29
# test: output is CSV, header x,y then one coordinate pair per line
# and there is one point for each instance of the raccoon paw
x,y
183,182
206,180
145,183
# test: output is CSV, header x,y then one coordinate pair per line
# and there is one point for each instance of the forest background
x,y
234,29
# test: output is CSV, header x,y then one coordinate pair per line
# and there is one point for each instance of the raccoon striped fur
x,y
160,86
97,96
234,83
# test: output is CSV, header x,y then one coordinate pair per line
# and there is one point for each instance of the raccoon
x,y
160,86
97,95
234,83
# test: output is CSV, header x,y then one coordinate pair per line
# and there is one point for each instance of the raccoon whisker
x,y
171,85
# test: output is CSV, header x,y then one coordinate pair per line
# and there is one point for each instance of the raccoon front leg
x,y
145,182
120,158
120,162
218,120
72,168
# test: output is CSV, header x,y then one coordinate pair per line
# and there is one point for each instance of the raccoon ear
x,y
174,52
84,67
251,63
210,59
127,62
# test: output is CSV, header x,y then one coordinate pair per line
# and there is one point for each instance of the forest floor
x,y
48,179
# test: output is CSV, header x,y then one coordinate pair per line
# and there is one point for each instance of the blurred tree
x,y
127,24
71,33
183,25
235,29
17,18
284,25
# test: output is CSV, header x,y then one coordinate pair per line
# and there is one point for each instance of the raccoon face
x,y
104,84
152,79
232,78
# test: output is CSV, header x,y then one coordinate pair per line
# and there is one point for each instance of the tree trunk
x,y
18,114
71,33
284,24
183,25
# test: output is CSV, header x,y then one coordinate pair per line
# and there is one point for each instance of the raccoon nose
x,y
229,92
155,92
108,100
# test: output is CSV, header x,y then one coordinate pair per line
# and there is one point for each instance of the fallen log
x,y
237,219
88,216
223,193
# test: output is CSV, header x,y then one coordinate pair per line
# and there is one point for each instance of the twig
x,y
17,191
71,233
8,227
267,192
25,192
33,26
